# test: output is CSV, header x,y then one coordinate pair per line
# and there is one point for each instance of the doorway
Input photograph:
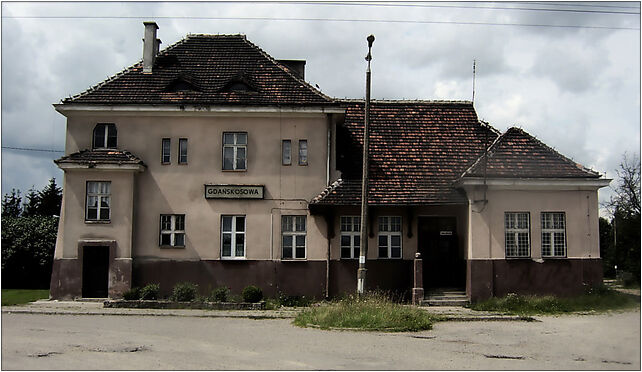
x,y
95,271
443,264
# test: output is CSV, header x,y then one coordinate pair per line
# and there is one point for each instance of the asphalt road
x,y
32,341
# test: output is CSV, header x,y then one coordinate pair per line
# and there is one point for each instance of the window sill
x,y
554,257
518,258
97,222
171,246
234,170
233,258
293,259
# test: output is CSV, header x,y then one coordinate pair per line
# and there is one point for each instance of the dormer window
x,y
239,87
105,136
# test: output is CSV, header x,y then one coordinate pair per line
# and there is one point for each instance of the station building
x,y
212,162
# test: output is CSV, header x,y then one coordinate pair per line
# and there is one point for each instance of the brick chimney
x,y
151,46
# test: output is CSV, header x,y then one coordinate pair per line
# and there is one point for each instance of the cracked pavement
x,y
40,341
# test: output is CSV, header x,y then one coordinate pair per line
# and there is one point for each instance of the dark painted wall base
x,y
560,277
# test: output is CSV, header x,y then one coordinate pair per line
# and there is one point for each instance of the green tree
x,y
49,199
606,248
12,204
31,204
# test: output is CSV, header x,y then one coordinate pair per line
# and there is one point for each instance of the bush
x,y
252,293
184,292
367,313
150,292
132,294
292,301
219,294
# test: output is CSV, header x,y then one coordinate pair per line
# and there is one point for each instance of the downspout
x,y
327,166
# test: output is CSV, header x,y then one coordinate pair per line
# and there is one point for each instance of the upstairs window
x,y
105,136
553,234
182,151
98,201
166,151
286,150
235,151
517,234
303,152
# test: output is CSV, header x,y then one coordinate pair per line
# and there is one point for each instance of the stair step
x,y
432,302
453,298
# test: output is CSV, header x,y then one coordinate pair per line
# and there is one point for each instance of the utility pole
x,y
363,246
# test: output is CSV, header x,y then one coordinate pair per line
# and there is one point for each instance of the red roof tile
x,y
92,157
200,69
517,154
417,150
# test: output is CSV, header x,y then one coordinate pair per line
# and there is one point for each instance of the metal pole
x,y
363,246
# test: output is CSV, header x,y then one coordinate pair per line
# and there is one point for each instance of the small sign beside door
x,y
445,233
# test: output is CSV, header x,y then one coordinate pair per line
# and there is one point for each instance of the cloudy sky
x,y
567,73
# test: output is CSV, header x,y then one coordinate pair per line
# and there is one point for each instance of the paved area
x,y
65,341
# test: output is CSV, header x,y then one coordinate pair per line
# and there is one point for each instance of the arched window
x,y
105,136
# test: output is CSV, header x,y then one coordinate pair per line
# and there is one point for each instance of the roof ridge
x,y
273,60
572,162
487,151
400,101
122,72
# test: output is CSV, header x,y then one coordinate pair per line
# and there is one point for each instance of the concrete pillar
x,y
418,284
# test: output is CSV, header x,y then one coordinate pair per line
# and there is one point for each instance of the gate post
x,y
418,284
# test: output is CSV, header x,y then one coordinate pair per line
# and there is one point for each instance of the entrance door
x,y
95,272
443,265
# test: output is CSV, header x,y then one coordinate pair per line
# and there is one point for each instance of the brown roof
x,y
94,157
202,69
417,150
517,154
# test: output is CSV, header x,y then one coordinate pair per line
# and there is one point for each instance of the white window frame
x,y
108,127
172,231
235,146
350,227
286,152
100,198
233,235
166,151
549,230
387,229
512,228
294,233
303,152
182,147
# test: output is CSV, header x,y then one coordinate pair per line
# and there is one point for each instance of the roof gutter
x,y
535,183
180,110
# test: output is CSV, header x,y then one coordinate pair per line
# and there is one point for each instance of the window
x,y
105,136
234,151
286,150
98,201
350,236
182,151
303,152
553,234
517,230
233,236
293,231
166,149
172,230
389,237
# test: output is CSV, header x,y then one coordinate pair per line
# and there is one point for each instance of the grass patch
x,y
598,301
22,296
368,313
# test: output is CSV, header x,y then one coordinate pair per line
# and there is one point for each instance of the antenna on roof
x,y
474,65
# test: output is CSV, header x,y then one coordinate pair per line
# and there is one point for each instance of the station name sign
x,y
233,191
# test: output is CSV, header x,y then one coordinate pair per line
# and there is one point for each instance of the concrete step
x,y
447,302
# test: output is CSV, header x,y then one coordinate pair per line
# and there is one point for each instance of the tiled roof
x,y
517,154
93,157
201,69
417,150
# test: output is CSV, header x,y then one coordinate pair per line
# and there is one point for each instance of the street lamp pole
x,y
363,244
